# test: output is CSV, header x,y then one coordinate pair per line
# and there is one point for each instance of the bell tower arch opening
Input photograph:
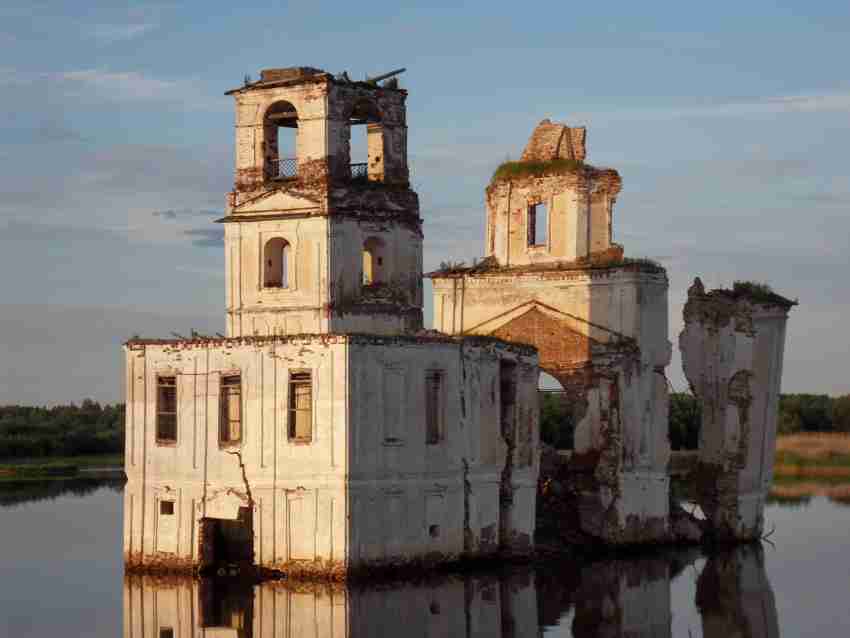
x,y
276,263
374,266
280,137
366,142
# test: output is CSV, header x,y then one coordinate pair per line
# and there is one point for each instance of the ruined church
x,y
327,432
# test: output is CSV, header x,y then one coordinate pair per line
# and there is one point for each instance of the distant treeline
x,y
797,413
63,430
91,428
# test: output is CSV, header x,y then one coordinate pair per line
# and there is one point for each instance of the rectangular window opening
x,y
166,632
166,409
230,426
538,224
433,407
301,407
166,508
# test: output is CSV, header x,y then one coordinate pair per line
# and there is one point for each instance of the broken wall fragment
x,y
732,351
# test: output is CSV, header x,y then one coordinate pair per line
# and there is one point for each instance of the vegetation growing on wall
x,y
557,424
517,170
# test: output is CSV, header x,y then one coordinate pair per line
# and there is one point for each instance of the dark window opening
x,y
434,531
433,407
166,632
230,430
538,225
276,256
166,409
166,508
280,128
507,396
301,407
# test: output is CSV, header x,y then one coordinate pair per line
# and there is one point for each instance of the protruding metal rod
x,y
385,76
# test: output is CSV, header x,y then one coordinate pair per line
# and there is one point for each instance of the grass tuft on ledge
x,y
515,170
759,292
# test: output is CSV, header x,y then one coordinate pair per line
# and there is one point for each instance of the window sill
x,y
393,443
166,443
300,441
229,446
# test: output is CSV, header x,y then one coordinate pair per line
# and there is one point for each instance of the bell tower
x,y
321,235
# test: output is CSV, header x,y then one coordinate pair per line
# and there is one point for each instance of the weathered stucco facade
x,y
326,433
598,320
365,484
301,217
732,351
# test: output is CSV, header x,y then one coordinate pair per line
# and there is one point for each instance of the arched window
x,y
373,261
280,136
276,263
366,135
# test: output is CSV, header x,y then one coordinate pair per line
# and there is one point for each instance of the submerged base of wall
x,y
321,570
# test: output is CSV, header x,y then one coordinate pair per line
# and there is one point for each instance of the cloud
x,y
206,237
64,353
112,33
734,107
122,85
99,84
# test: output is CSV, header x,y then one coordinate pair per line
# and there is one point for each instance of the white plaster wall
x,y
570,233
752,343
402,260
622,300
367,488
298,490
253,309
404,487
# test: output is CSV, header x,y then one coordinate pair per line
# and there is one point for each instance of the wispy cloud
x,y
105,85
732,107
122,85
112,33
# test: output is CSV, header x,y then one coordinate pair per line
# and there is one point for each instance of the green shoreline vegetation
x,y
61,440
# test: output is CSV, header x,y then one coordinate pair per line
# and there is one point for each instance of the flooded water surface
x,y
63,576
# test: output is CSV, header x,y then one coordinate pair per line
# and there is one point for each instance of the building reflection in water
x,y
623,598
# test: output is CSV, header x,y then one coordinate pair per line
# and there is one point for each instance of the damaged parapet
x,y
732,349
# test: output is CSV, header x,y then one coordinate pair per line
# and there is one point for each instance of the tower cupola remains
x,y
551,206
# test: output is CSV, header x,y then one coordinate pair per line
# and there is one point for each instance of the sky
x,y
729,123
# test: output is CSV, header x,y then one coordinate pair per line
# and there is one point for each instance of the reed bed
x,y
813,454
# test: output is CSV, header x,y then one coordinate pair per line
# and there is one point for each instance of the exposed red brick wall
x,y
559,346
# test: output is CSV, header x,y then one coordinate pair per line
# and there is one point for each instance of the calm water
x,y
62,575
